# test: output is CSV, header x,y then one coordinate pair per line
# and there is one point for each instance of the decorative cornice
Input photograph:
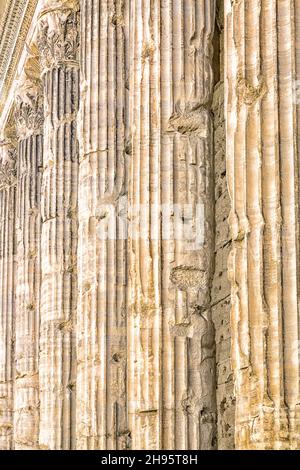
x,y
58,36
13,31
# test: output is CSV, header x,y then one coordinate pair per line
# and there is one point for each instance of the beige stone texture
x,y
149,224
261,73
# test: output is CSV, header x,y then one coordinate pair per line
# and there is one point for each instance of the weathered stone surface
x,y
149,225
58,45
103,124
171,366
120,348
262,69
29,117
221,287
7,285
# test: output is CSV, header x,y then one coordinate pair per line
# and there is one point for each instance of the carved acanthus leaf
x,y
8,156
29,113
58,38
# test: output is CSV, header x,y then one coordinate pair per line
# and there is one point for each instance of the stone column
x,y
58,41
171,344
29,119
8,154
102,261
262,115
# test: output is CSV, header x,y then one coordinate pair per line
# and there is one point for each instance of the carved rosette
x,y
58,37
8,155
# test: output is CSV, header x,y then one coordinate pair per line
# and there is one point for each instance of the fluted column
x,y
29,118
262,69
58,40
8,154
171,364
102,261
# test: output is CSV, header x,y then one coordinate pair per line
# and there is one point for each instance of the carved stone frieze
x,y
14,25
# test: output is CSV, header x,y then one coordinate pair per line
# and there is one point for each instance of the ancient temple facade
x,y
149,224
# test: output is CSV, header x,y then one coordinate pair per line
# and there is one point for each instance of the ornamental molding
x,y
14,27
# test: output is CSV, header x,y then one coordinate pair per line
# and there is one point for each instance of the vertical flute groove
x,y
102,264
169,280
29,118
263,172
58,43
8,155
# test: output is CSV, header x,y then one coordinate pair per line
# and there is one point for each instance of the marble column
x,y
29,119
58,41
8,154
102,245
171,344
262,72
145,341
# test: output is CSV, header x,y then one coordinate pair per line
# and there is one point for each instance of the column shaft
x,y
171,364
58,44
262,66
102,245
7,286
29,118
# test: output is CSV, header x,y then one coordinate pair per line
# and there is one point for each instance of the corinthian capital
x,y
8,155
58,35
29,114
